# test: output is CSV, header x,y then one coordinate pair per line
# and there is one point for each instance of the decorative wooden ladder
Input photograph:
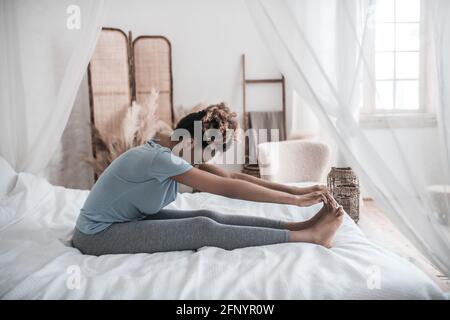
x,y
253,169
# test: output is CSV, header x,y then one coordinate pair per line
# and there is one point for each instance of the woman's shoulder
x,y
152,145
134,161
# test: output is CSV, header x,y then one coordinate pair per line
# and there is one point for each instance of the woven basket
x,y
251,169
344,187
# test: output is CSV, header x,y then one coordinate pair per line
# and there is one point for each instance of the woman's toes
x,y
339,211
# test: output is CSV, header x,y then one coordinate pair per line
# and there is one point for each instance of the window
x,y
396,58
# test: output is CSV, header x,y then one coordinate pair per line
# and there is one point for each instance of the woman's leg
x,y
237,220
149,236
230,219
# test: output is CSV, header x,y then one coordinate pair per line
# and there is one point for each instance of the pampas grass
x,y
138,124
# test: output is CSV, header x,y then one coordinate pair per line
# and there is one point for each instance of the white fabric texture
x,y
37,263
440,11
7,177
321,46
43,58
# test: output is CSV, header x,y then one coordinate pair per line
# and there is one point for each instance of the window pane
x,y
384,66
407,95
407,65
385,11
407,10
408,36
385,95
384,37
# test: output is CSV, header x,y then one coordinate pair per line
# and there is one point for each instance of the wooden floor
x,y
380,230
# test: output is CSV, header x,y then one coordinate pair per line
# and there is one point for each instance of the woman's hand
x,y
246,190
311,189
308,196
309,199
295,191
237,189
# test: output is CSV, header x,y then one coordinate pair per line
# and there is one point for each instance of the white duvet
x,y
37,261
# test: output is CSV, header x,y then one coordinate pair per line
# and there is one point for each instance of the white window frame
x,y
369,114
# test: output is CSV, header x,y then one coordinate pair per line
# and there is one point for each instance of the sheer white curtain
x,y
325,48
440,10
45,47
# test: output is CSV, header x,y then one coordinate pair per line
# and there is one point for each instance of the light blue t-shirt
x,y
138,183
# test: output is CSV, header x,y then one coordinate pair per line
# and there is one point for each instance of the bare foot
x,y
297,226
324,230
328,203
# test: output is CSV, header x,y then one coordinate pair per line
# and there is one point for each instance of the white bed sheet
x,y
37,262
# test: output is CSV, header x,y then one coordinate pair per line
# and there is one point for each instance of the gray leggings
x,y
174,230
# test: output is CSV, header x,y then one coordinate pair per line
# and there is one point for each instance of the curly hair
x,y
216,116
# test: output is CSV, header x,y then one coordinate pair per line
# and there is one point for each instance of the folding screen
x,y
109,80
153,69
122,71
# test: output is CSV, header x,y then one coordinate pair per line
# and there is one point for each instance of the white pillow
x,y
8,177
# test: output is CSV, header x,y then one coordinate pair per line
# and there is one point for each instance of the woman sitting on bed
x,y
124,210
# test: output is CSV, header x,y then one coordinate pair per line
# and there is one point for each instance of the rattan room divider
x,y
123,70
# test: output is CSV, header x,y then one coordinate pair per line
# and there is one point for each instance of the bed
x,y
37,261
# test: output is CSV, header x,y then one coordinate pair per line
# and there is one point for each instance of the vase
x,y
344,187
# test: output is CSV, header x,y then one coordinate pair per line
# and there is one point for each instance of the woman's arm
x,y
240,189
264,183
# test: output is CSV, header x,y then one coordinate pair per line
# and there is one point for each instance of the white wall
x,y
208,38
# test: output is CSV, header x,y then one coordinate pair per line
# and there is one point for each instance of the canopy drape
x,y
327,51
45,47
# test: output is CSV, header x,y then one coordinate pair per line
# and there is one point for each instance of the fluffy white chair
x,y
293,160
